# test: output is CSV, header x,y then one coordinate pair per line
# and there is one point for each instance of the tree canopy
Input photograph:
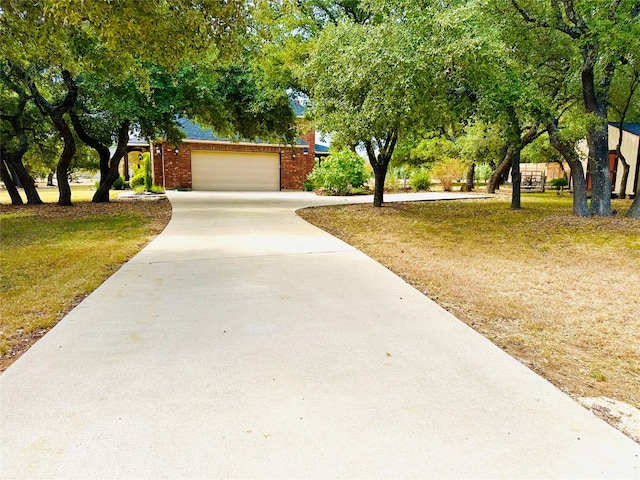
x,y
98,70
380,74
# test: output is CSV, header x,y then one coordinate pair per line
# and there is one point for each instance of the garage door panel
x,y
235,171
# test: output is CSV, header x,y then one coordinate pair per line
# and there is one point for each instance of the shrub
x,y
401,174
119,184
483,172
157,189
148,180
392,183
137,180
448,171
559,183
339,173
421,180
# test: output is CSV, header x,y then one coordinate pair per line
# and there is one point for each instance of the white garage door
x,y
235,171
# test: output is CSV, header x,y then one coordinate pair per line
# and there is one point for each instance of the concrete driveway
x,y
245,343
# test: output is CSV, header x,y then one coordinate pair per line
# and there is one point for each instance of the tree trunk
x,y
579,183
380,163
622,193
471,175
56,114
498,173
378,192
28,184
113,172
103,155
13,160
600,174
102,193
109,165
64,163
634,211
516,180
7,178
596,102
568,152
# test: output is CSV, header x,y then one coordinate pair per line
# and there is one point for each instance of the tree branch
x,y
575,31
525,15
371,153
614,7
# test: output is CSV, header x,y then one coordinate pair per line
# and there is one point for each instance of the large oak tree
x,y
599,35
51,43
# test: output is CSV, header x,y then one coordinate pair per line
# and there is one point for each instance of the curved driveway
x,y
245,343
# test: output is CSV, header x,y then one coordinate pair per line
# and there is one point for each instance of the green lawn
x,y
79,193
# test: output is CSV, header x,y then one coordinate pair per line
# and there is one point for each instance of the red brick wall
x,y
177,167
295,164
310,138
294,169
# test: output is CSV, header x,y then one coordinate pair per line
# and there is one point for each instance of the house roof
x,y
298,105
633,128
193,131
321,149
135,141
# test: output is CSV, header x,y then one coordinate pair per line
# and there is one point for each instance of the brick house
x,y
204,161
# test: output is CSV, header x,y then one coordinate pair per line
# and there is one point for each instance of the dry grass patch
x,y
555,291
52,257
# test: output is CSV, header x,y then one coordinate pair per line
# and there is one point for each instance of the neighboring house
x,y
630,149
545,171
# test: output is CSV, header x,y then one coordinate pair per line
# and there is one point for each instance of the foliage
x,y
137,181
398,178
559,183
448,171
195,64
339,173
540,151
101,35
369,87
483,171
482,143
119,184
392,183
148,179
586,41
421,179
435,148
